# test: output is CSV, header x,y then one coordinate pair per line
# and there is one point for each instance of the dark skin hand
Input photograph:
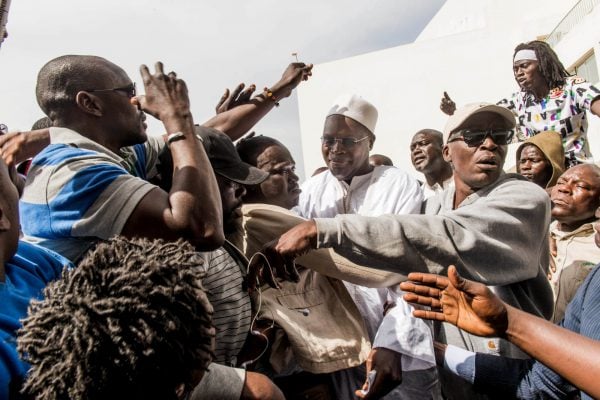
x,y
240,118
469,305
388,364
475,309
279,255
233,99
447,105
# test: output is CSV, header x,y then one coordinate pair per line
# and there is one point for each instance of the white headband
x,y
525,55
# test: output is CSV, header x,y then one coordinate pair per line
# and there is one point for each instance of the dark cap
x,y
225,159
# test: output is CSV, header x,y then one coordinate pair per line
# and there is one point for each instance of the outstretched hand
x,y
276,259
166,95
236,98
469,305
447,105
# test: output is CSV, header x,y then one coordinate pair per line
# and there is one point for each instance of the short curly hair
x,y
132,321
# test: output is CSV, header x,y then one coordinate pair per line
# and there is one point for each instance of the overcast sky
x,y
210,44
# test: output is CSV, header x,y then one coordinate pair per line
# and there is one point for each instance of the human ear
x,y
446,153
88,103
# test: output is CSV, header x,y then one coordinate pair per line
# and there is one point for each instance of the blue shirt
x,y
26,275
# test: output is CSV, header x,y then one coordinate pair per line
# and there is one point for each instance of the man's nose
x,y
337,146
563,188
489,143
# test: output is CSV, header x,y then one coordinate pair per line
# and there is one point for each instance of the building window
x,y
587,68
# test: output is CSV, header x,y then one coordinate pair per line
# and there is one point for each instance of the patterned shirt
x,y
562,110
78,191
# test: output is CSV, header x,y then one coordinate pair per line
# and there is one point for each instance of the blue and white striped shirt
x,y
78,191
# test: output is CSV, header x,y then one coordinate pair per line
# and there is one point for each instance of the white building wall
x,y
405,83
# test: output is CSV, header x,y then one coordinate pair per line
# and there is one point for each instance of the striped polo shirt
x,y
78,191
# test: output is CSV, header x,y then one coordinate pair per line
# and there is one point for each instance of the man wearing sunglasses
x,y
91,181
493,226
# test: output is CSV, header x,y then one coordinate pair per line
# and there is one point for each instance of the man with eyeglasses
x,y
402,347
493,226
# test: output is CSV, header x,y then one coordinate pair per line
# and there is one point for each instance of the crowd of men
x,y
194,265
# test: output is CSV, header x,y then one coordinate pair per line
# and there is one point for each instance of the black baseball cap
x,y
225,159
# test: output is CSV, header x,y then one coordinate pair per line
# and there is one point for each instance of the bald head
x,y
62,78
380,159
434,135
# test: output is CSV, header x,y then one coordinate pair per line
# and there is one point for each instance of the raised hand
x,y
166,95
291,78
236,98
447,105
469,305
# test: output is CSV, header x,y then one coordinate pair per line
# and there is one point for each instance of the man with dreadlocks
x,y
549,100
132,321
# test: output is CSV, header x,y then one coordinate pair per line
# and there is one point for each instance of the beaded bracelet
x,y
269,95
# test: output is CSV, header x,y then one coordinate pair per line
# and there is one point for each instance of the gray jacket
x,y
498,236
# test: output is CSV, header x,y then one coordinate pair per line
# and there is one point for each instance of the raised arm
x,y
192,209
239,120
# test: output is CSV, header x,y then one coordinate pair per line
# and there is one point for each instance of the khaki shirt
x,y
576,255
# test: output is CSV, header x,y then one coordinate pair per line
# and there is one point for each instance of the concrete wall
x,y
406,83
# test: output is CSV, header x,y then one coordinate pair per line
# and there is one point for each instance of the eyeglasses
x,y
128,90
475,138
329,142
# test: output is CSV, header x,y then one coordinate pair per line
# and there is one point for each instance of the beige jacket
x,y
324,331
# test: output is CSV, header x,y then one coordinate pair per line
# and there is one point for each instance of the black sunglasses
x,y
128,90
501,137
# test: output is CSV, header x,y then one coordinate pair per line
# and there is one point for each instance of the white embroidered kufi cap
x,y
357,108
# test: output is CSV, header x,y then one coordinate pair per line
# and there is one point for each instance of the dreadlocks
x,y
132,321
551,68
